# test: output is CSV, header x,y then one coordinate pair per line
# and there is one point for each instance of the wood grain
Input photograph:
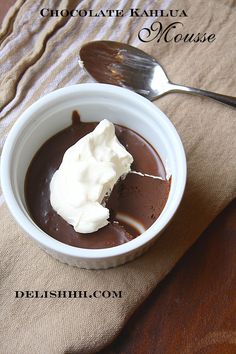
x,y
194,309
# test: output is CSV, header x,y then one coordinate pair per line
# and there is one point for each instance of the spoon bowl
x,y
123,65
126,66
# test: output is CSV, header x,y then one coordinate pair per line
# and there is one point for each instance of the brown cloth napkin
x,y
38,55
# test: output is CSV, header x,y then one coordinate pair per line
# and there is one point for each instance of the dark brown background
x,y
194,309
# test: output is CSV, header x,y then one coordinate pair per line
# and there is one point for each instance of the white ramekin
x,y
94,102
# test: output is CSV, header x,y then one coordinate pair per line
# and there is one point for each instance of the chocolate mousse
x,y
135,202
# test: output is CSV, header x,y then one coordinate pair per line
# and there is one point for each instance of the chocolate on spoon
x,y
123,65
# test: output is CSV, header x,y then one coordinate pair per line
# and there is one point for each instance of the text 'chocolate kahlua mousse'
x,y
133,205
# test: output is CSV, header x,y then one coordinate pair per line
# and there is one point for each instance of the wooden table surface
x,y
193,310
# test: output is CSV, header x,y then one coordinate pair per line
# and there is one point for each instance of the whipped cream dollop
x,y
88,172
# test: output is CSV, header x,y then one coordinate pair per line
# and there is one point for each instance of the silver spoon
x,y
123,65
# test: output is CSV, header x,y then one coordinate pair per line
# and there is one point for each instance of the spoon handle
x,y
229,100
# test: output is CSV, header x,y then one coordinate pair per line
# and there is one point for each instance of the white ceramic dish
x,y
94,102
